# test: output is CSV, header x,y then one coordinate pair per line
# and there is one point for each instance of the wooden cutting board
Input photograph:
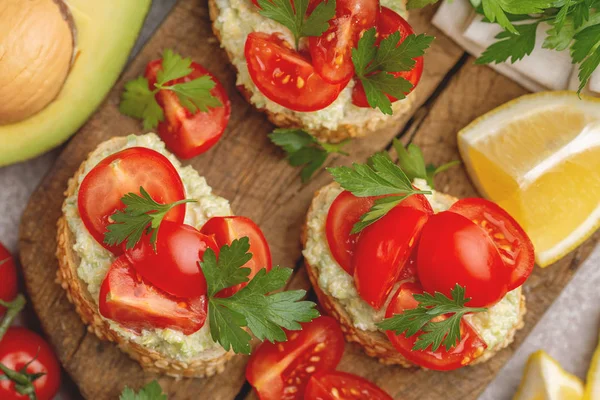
x,y
252,173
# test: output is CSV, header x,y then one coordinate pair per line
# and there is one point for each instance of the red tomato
x,y
101,190
388,23
334,385
226,229
184,133
453,249
383,249
331,52
20,346
125,297
470,347
173,267
512,242
8,277
344,212
280,371
284,76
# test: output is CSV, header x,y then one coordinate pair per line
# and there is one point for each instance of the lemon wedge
x,y
545,379
538,157
592,388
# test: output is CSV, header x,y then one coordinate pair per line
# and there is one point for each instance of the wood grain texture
x,y
245,168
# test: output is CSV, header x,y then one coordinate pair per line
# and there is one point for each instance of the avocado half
x,y
104,33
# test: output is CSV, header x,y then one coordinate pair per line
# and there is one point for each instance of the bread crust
x,y
86,307
289,120
376,344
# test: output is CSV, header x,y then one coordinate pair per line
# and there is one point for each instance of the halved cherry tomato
x,y
389,22
20,347
284,76
331,52
226,229
345,211
335,385
125,297
454,250
469,348
383,249
280,371
512,242
173,267
184,133
8,277
103,187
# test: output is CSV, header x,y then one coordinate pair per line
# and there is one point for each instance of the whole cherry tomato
x,y
280,371
173,265
284,76
335,385
512,242
189,134
8,277
21,348
125,297
226,229
470,346
454,250
103,187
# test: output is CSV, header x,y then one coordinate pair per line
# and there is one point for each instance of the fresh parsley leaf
x,y
513,46
561,17
142,215
374,65
293,16
138,102
423,319
412,4
196,94
152,391
252,307
412,162
381,177
173,67
587,68
586,50
304,150
497,10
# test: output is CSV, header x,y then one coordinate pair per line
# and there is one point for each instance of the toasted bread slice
x,y
288,119
375,343
86,307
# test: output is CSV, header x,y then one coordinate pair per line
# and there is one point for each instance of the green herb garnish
x,y
152,391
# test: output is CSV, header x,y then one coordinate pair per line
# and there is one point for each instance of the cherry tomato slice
x,y
8,277
331,53
335,385
384,248
20,347
512,242
344,212
187,134
454,250
103,187
284,76
280,371
389,22
125,297
226,229
469,348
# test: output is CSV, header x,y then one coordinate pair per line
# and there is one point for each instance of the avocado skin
x,y
104,39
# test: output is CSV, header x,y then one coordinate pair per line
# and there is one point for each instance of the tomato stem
x,y
23,380
12,309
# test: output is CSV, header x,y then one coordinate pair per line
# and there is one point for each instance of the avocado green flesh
x,y
105,32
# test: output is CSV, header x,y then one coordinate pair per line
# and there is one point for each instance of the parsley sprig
x,y
374,65
575,25
252,307
304,149
139,100
294,16
425,318
141,215
152,391
379,177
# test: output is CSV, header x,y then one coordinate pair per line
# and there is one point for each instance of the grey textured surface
x,y
574,315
